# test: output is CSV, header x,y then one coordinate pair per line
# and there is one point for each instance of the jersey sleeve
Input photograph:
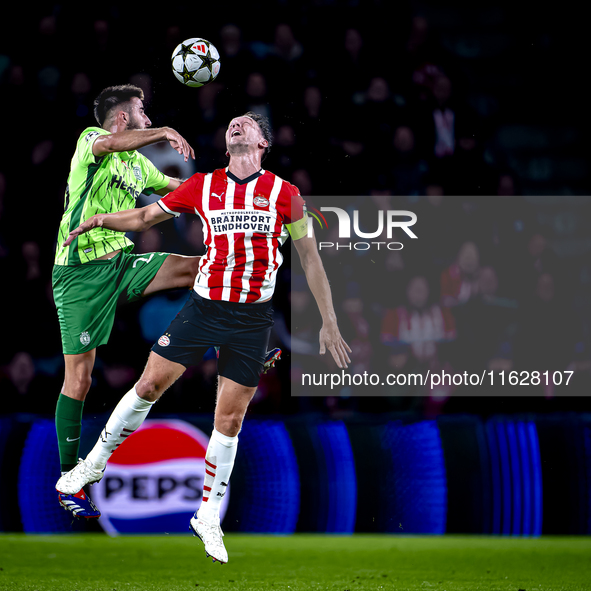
x,y
156,180
185,198
86,140
292,208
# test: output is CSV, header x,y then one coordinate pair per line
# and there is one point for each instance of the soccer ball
x,y
195,62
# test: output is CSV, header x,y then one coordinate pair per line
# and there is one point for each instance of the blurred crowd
x,y
370,109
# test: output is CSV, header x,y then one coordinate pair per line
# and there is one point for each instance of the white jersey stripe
x,y
201,280
248,249
229,266
272,207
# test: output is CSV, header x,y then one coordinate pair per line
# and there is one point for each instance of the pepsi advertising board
x,y
154,482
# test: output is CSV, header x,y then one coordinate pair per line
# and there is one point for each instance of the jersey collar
x,y
247,179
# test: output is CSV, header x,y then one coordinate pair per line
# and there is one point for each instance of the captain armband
x,y
298,229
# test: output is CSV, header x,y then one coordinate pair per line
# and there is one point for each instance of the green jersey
x,y
104,184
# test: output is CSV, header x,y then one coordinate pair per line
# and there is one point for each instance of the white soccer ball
x,y
195,62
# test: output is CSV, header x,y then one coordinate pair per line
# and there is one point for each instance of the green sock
x,y
68,426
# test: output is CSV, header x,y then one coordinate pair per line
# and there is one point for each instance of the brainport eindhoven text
x,y
387,220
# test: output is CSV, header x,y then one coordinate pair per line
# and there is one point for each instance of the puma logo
x,y
218,196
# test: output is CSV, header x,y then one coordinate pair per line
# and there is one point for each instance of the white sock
x,y
128,415
219,461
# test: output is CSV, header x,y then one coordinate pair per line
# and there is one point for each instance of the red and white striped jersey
x,y
243,226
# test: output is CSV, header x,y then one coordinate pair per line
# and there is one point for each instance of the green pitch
x,y
89,562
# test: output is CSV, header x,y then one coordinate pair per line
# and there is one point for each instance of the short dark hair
x,y
265,127
112,96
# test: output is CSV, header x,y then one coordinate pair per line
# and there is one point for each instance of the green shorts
x,y
86,296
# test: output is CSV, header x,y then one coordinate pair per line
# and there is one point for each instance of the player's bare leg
x,y
232,402
176,272
158,375
68,414
78,374
131,411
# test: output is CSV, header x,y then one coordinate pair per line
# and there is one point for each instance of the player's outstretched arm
x,y
330,336
130,220
133,139
173,185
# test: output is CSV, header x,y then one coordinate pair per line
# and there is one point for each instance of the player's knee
x,y
229,424
149,389
77,386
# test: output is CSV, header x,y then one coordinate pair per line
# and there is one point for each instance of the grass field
x,y
88,562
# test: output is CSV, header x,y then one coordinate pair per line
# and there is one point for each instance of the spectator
x,y
312,124
163,157
506,185
486,326
416,330
285,64
22,388
439,217
459,282
444,118
468,172
31,256
547,333
287,151
301,179
257,99
21,372
286,47
350,64
209,111
378,115
236,61
531,258
408,168
81,88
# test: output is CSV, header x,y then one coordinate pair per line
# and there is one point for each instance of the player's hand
x,y
331,339
179,143
96,221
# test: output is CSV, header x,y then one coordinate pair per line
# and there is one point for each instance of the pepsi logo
x,y
153,482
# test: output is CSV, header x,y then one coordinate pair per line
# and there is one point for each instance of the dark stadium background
x,y
350,88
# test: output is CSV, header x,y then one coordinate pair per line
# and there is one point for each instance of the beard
x,y
238,148
134,123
